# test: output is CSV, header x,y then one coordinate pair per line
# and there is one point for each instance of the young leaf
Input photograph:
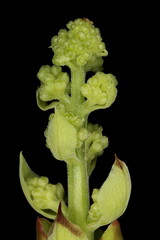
x,y
26,173
111,200
61,137
42,228
63,229
45,105
113,232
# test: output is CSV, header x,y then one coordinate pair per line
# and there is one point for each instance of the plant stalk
x,y
78,195
78,180
77,80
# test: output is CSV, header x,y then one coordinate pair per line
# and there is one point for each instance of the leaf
x,y
42,228
111,200
44,105
63,229
24,173
113,232
61,137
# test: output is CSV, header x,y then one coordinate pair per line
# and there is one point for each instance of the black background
x,y
28,29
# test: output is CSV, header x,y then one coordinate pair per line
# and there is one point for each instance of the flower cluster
x,y
54,83
44,194
100,90
80,44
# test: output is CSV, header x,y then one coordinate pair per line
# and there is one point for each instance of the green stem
x,y
78,195
78,180
77,80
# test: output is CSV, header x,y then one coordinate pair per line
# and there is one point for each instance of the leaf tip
x,y
67,224
115,223
40,231
118,162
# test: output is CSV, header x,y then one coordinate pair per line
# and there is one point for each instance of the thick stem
x,y
78,189
78,195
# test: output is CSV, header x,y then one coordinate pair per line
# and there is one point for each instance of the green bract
x,y
61,137
71,97
42,196
111,200
113,232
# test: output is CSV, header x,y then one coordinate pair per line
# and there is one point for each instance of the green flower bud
x,y
82,136
55,70
44,74
95,142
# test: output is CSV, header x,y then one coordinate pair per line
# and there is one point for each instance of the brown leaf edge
x,y
42,228
65,223
45,228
